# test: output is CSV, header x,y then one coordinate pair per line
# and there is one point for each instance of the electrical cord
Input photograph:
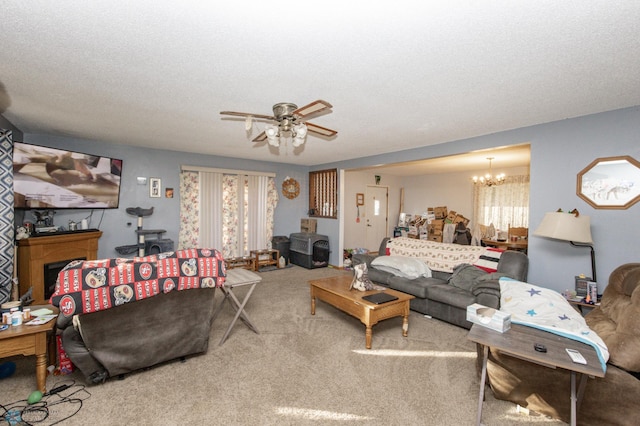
x,y
63,397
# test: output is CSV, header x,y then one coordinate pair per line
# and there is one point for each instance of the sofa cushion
x,y
449,295
417,287
402,266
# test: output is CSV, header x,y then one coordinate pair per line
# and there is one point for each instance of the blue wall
x,y
166,166
559,151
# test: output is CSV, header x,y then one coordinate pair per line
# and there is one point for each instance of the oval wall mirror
x,y
610,182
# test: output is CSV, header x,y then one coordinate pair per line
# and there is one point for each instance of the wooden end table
x,y
335,291
29,340
245,262
265,258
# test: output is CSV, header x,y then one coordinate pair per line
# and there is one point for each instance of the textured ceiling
x,y
400,75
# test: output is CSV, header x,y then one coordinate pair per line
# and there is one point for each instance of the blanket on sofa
x,y
85,286
444,256
548,310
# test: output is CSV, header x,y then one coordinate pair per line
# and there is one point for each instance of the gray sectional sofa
x,y
446,295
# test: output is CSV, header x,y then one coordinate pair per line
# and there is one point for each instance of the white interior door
x,y
376,201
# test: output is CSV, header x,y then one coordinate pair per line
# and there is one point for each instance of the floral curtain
x,y
189,210
503,205
231,212
232,216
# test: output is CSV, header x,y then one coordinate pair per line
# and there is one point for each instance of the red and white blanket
x,y
85,286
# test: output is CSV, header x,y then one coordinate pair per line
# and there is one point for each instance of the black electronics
x,y
379,298
49,178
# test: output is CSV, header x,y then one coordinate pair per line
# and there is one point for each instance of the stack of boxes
x,y
435,223
430,225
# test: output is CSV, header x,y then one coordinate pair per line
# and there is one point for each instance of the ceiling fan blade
x,y
320,130
246,114
262,136
312,108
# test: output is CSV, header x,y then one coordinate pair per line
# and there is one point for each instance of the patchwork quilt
x,y
444,256
548,310
85,286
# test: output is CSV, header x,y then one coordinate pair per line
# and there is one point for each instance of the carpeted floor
x,y
301,369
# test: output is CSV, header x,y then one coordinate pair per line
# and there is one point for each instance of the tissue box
x,y
489,317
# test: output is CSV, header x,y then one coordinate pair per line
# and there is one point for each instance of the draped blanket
x,y
85,286
443,256
548,310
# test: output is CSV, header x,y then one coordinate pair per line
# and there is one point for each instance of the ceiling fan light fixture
x,y
299,134
273,134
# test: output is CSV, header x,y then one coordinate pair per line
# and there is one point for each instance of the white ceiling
x,y
402,74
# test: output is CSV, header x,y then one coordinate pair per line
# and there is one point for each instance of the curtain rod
x,y
186,168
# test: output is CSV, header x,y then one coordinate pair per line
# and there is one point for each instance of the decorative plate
x,y
290,188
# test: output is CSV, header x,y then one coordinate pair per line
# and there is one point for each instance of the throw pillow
x,y
402,266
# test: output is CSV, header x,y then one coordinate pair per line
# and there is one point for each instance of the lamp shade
x,y
565,226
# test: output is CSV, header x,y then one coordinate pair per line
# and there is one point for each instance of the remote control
x,y
576,356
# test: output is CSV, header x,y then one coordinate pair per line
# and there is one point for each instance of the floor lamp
x,y
571,227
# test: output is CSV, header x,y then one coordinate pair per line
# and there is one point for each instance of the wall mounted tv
x,y
49,178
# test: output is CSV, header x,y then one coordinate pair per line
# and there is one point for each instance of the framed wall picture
x,y
155,186
359,199
610,183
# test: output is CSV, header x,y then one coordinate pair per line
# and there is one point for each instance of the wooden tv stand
x,y
36,252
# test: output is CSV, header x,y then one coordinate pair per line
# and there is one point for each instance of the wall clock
x,y
290,188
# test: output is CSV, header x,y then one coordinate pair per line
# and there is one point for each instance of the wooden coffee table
x,y
335,291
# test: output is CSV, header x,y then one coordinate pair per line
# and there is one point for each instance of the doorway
x,y
376,215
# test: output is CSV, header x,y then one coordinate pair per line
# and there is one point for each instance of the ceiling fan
x,y
289,120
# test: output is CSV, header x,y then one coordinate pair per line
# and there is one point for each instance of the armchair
x,y
617,318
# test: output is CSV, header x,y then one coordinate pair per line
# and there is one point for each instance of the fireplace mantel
x,y
34,253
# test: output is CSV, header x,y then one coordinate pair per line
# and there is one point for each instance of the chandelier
x,y
489,179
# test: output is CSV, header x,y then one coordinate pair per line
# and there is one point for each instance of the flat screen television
x,y
50,178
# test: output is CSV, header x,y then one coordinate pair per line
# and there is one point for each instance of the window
x,y
503,205
323,193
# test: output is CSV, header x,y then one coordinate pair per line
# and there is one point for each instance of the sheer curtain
x,y
504,204
232,211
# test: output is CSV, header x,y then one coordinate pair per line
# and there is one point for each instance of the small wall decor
x,y
155,186
359,199
377,177
168,193
610,183
290,188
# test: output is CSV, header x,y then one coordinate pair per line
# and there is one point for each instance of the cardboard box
x,y
489,317
438,212
437,224
308,225
451,216
436,238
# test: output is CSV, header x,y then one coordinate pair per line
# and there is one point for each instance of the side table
x,y
265,258
29,340
245,262
238,278
581,306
